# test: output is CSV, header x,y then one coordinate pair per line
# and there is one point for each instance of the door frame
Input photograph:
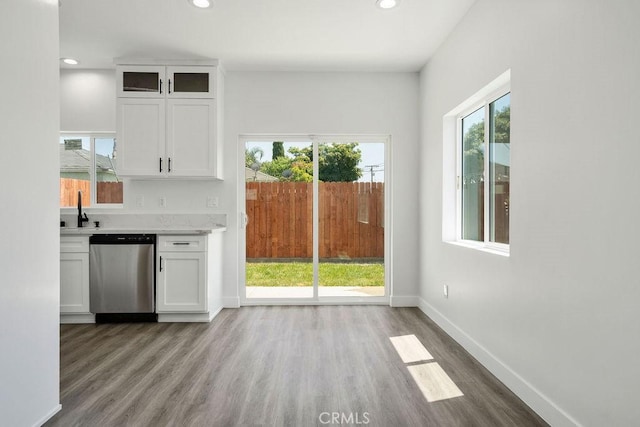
x,y
315,140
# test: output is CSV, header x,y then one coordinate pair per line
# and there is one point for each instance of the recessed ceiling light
x,y
387,4
70,61
202,4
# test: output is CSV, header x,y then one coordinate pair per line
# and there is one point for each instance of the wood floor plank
x,y
274,366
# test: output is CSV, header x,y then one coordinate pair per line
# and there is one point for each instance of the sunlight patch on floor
x,y
432,380
410,349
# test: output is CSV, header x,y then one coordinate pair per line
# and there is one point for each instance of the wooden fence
x,y
475,211
351,220
108,192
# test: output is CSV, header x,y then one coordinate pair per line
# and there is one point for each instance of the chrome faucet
x,y
81,219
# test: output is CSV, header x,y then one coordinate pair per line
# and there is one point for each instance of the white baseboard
x,y
68,318
404,301
183,317
213,314
48,416
231,302
535,399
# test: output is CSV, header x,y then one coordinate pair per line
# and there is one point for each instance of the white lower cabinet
x,y
74,279
181,281
188,278
74,283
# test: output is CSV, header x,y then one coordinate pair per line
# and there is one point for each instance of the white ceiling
x,y
296,35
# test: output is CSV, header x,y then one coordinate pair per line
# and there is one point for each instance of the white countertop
x,y
136,223
101,230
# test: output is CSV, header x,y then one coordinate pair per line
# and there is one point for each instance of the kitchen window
x,y
484,171
88,163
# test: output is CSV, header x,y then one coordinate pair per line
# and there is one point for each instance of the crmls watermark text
x,y
339,418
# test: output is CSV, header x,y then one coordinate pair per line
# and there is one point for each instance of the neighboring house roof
x,y
80,161
251,175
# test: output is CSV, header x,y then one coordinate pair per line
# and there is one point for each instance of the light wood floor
x,y
273,366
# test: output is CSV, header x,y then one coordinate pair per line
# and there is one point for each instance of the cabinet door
x,y
191,82
181,282
141,81
140,142
191,137
74,282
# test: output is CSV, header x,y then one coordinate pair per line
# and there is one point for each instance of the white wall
x,y
88,100
558,320
331,103
279,103
29,248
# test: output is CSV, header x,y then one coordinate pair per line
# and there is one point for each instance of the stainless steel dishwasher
x,y
122,277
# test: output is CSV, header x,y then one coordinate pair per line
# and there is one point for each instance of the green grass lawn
x,y
301,274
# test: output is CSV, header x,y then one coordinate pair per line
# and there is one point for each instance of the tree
x,y
473,140
277,150
254,155
473,147
337,163
503,125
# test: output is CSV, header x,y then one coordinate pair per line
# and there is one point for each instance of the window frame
x,y
481,102
93,202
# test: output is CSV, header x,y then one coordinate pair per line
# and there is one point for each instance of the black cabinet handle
x,y
169,85
161,264
160,164
169,164
160,86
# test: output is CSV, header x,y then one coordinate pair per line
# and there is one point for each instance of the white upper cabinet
x,y
167,121
140,141
192,120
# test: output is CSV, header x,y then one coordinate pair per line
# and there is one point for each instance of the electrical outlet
x,y
212,202
446,291
140,201
163,201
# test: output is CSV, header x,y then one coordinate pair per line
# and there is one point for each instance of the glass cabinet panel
x,y
141,81
136,81
191,82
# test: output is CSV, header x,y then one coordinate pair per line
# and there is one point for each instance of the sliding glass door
x,y
351,219
315,218
279,209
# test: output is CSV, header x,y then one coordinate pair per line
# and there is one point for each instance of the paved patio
x,y
307,291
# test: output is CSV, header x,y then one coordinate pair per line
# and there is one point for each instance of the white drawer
x,y
182,243
74,244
